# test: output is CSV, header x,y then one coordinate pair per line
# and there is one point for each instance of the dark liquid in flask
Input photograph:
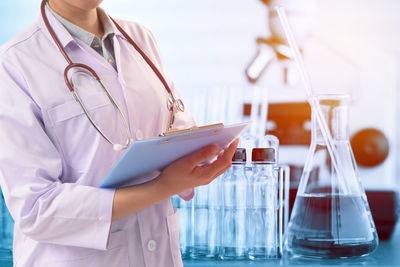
x,y
331,226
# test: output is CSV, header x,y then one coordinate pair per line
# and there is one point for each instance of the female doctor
x,y
52,158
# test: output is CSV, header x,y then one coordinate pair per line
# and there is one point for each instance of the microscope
x,y
273,49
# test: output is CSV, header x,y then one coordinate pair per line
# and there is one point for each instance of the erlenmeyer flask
x,y
331,216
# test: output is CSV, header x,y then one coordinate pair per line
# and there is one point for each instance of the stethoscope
x,y
174,105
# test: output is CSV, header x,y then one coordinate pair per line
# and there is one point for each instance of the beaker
x,y
331,216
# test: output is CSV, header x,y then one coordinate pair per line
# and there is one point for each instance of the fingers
x,y
201,155
209,180
219,174
223,162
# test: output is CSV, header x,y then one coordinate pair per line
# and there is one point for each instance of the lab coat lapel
x,y
62,34
124,91
109,76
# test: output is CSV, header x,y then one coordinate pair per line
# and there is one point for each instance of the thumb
x,y
201,155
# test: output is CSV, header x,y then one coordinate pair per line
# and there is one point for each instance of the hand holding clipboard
x,y
144,159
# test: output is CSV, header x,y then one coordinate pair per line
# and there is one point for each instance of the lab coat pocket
x,y
115,255
71,109
74,132
173,231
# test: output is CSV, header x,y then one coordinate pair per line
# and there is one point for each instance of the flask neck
x,y
335,112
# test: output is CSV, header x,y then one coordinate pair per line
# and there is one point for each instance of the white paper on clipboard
x,y
144,159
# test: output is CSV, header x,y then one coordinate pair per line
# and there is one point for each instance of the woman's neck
x,y
85,19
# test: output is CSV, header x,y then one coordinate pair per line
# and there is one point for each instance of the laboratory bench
x,y
383,207
387,254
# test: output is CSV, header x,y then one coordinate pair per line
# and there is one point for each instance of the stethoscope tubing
x,y
173,105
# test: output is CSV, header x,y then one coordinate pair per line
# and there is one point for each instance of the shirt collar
x,y
108,25
65,36
83,35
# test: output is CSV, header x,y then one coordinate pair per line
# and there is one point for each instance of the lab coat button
x,y
151,245
139,134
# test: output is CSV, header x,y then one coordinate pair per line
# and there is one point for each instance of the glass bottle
x,y
187,232
200,223
214,218
262,221
185,224
331,216
233,227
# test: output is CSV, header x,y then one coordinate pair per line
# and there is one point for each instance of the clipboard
x,y
145,159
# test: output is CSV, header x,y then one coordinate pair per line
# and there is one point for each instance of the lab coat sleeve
x,y
44,208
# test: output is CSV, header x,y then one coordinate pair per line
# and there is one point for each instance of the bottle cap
x,y
266,155
240,155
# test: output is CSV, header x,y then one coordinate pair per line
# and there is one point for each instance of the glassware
x,y
185,224
263,225
200,223
233,227
186,232
248,142
214,219
331,216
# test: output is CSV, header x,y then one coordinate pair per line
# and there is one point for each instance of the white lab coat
x,y
52,159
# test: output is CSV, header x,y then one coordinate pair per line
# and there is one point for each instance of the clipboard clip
x,y
192,129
